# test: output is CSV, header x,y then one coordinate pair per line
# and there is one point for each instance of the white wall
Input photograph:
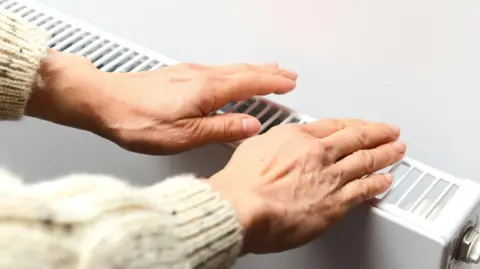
x,y
413,63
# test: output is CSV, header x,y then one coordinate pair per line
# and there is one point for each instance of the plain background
x,y
412,63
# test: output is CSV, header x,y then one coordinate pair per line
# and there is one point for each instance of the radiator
x,y
427,220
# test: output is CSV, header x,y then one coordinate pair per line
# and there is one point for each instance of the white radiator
x,y
427,220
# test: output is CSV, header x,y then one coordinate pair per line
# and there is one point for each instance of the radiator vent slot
x,y
105,54
268,113
419,190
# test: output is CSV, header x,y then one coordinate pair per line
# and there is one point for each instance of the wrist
x,y
66,91
246,205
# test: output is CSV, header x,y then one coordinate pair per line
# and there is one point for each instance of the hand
x,y
166,111
294,182
155,112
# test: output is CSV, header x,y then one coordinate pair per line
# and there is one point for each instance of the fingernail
x,y
399,146
251,126
292,74
395,129
389,178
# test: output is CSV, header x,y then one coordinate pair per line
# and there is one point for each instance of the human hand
x,y
167,111
294,182
164,111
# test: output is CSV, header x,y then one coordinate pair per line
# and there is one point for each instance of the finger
x,y
354,138
269,68
241,86
361,190
272,64
243,67
225,128
324,128
364,162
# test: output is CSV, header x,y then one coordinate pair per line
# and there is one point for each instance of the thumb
x,y
227,127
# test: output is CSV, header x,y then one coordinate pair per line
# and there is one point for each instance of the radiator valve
x,y
469,247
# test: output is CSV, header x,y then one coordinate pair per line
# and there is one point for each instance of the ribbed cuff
x,y
206,224
22,48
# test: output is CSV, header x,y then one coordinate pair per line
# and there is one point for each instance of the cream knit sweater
x,y
99,222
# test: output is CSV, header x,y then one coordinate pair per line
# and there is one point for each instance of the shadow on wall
x,y
323,253
37,150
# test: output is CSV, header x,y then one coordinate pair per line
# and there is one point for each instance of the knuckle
x,y
195,128
317,149
337,124
362,137
367,160
230,128
338,175
329,146
332,153
364,190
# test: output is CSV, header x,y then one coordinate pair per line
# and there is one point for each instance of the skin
x,y
302,179
288,186
154,112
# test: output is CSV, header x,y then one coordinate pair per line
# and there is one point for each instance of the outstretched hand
x,y
294,182
157,112
167,111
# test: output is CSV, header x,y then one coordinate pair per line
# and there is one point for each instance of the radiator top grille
x,y
419,189
107,55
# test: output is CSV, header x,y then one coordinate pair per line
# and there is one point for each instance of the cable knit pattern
x,y
21,50
99,222
89,221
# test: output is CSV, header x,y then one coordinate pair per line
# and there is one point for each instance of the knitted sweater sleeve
x,y
87,221
22,47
